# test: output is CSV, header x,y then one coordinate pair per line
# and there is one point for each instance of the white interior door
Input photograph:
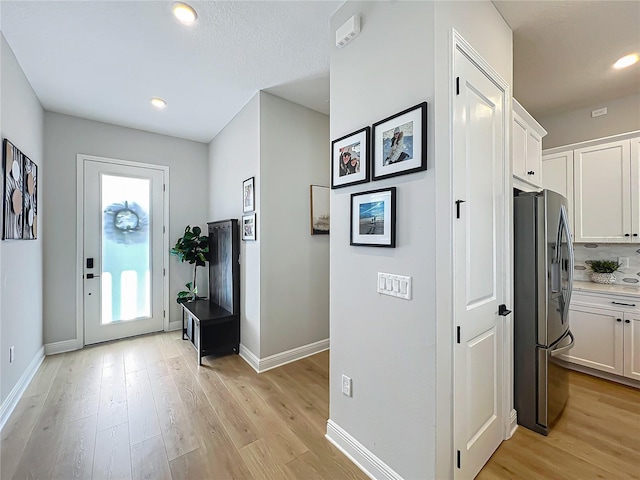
x,y
479,266
123,250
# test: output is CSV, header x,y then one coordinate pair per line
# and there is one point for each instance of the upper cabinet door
x,y
519,146
602,191
557,175
635,190
534,158
526,144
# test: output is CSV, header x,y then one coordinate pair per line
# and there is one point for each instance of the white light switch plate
x,y
394,285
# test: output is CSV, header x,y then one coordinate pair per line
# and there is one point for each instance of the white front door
x,y
123,250
479,266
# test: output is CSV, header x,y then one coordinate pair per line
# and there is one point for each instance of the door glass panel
x,y
126,249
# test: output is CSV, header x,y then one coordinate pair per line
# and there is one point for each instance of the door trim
x,y
458,43
80,159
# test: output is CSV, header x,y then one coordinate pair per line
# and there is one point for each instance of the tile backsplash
x,y
607,251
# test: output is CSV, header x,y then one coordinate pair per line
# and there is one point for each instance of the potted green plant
x,y
192,247
603,271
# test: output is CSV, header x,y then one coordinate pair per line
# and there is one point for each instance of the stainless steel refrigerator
x,y
543,271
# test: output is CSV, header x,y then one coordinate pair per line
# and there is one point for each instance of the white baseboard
x,y
366,461
175,326
61,347
14,396
513,420
630,382
277,360
250,357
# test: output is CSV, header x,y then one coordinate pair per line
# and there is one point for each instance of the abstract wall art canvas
x,y
20,199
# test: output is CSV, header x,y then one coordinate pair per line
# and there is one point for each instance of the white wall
x,y
623,115
399,353
294,270
386,345
21,260
234,156
64,138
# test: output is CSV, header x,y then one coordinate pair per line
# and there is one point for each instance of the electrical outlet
x,y
11,354
346,386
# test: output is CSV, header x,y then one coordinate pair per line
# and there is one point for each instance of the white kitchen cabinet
x,y
526,146
606,339
632,345
606,183
557,175
598,337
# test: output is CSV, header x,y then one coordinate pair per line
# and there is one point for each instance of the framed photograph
x,y
400,143
350,159
373,218
13,183
249,227
248,195
319,210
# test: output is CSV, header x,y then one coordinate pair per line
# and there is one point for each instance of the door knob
x,y
502,310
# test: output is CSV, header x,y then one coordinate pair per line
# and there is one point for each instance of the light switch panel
x,y
394,285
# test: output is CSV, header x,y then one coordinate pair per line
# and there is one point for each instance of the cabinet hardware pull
x,y
627,235
618,319
625,304
627,321
635,234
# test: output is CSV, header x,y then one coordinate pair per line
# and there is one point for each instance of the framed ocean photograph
x,y
400,143
319,201
373,218
350,159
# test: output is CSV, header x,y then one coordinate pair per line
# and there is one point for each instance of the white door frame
x,y
445,452
81,158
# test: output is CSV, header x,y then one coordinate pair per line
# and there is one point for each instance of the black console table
x,y
213,324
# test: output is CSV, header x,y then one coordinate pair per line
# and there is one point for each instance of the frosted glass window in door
x,y
125,248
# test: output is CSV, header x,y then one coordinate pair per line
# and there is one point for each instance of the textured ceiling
x,y
104,60
563,52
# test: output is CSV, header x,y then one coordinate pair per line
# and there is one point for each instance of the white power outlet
x,y
11,354
346,386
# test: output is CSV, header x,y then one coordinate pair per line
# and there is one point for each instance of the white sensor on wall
x,y
348,31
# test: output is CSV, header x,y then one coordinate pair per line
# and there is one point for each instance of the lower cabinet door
x,y
598,339
632,346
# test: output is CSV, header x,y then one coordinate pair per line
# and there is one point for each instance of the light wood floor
x,y
141,408
597,437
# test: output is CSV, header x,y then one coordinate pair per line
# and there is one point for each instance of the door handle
x,y
502,310
91,275
625,304
458,203
561,350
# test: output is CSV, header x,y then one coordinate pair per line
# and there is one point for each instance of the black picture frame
x,y
352,172
248,228
249,195
20,199
373,218
394,155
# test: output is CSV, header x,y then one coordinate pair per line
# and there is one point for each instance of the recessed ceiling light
x,y
184,13
158,102
626,61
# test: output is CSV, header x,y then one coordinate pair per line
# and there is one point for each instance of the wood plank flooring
x,y
142,409
597,437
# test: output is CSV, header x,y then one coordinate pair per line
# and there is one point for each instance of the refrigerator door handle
x,y
560,350
565,226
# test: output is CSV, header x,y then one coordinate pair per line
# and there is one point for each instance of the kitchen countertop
x,y
624,290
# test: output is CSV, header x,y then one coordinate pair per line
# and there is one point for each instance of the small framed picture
x,y
319,210
350,159
249,227
248,195
400,143
373,218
